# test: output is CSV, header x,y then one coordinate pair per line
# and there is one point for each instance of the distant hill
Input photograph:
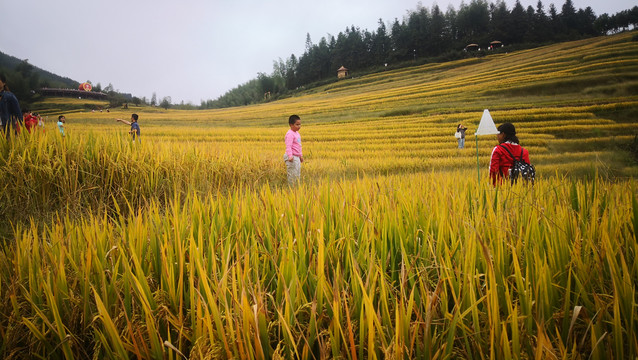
x,y
10,65
25,79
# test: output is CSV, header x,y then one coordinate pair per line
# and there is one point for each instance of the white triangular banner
x,y
486,126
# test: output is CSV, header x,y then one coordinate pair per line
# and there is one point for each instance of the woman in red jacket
x,y
501,161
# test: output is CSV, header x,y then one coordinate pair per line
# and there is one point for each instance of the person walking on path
x,y
293,156
10,112
460,129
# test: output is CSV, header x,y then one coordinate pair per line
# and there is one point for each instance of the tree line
x,y
426,35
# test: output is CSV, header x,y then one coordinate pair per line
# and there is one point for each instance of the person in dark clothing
x,y
135,127
461,137
10,112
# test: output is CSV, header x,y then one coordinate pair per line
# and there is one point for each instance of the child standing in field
x,y
135,127
61,121
293,156
30,120
41,123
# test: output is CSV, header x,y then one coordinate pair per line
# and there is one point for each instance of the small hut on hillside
x,y
495,44
342,73
472,47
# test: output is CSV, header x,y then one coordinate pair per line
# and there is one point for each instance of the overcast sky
x,y
192,50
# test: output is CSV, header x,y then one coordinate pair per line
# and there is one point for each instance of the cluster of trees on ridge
x,y
25,80
426,35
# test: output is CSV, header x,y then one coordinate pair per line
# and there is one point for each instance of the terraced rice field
x,y
191,245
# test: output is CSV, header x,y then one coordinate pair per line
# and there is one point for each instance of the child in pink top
x,y
293,156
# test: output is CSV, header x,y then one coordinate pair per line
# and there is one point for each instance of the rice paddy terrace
x,y
190,245
574,105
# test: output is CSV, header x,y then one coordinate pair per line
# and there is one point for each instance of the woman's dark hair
x,y
510,132
292,119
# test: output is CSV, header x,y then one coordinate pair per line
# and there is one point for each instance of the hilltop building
x,y
472,47
72,93
495,45
342,73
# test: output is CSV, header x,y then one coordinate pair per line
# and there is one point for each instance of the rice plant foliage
x,y
44,174
419,266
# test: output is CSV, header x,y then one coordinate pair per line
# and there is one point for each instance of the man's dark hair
x,y
60,117
3,78
134,116
292,119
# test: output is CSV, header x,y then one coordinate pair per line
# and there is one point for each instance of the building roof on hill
x,y
72,93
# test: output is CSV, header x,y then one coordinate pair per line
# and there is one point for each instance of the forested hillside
x,y
24,79
423,35
427,35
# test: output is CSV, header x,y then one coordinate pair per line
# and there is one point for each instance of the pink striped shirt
x,y
293,143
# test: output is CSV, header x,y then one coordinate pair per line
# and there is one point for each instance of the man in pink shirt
x,y
293,156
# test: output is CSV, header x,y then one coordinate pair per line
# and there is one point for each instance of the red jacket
x,y
501,161
30,122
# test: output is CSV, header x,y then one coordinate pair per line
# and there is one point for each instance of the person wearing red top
x,y
30,121
501,161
